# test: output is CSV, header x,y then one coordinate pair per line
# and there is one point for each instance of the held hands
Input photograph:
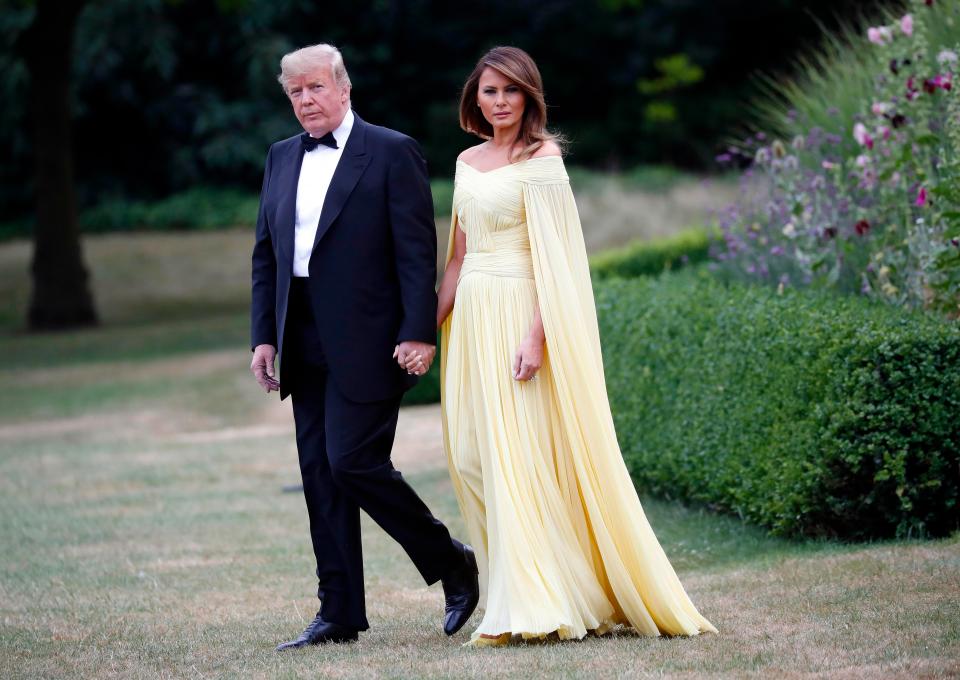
x,y
528,359
262,367
414,357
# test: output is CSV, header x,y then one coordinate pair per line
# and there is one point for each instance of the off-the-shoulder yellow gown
x,y
563,544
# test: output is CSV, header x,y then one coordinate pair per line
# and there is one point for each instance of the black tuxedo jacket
x,y
373,267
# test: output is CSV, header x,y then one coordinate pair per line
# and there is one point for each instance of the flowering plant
x,y
884,221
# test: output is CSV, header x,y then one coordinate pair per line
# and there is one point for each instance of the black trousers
x,y
344,450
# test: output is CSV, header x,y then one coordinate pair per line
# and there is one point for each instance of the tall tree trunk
x,y
61,296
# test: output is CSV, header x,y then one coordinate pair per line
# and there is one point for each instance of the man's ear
x,y
345,95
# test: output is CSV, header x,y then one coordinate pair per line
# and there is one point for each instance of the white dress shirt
x,y
316,172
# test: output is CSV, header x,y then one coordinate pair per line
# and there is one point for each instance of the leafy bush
x,y
807,413
649,258
862,198
198,209
201,208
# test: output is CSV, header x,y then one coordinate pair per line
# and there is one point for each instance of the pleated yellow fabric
x,y
561,538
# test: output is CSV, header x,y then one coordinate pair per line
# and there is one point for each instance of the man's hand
x,y
414,357
262,367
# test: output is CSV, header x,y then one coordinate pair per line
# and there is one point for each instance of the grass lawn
x,y
145,531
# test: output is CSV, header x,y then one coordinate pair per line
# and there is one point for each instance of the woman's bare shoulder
x,y
470,153
549,148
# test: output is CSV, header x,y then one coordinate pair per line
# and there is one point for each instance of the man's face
x,y
318,102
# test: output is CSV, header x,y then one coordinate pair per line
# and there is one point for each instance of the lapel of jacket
x,y
351,166
287,211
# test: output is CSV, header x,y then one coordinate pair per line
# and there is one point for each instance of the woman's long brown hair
x,y
518,67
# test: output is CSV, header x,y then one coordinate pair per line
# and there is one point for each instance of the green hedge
x,y
198,209
649,258
807,413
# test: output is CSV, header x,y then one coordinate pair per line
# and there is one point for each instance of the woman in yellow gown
x,y
561,539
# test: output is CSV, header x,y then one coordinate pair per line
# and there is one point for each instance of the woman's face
x,y
501,100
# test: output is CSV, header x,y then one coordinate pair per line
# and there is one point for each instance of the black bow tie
x,y
311,143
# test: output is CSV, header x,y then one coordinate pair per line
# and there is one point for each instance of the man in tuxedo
x,y
344,268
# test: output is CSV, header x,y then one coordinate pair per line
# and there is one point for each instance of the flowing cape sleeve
x,y
643,584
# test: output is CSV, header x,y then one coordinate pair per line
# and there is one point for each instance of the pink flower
x,y
906,24
921,197
862,136
884,132
880,108
873,35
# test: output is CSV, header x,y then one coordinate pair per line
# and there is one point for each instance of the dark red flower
x,y
894,68
862,227
830,232
897,120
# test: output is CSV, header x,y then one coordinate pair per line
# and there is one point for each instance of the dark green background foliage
x,y
807,413
172,93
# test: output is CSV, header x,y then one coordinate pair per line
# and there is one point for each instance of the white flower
x,y
947,57
789,230
880,108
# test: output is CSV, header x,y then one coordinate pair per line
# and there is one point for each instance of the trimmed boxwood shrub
x,y
649,258
805,412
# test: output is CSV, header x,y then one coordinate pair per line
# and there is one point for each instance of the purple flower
x,y
921,197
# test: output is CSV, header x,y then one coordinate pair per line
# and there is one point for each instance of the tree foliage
x,y
171,93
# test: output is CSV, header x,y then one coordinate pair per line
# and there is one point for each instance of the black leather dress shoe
x,y
461,590
320,632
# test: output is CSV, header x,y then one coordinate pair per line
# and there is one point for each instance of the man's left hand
x,y
414,357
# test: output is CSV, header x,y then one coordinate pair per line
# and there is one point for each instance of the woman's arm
x,y
448,285
529,355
